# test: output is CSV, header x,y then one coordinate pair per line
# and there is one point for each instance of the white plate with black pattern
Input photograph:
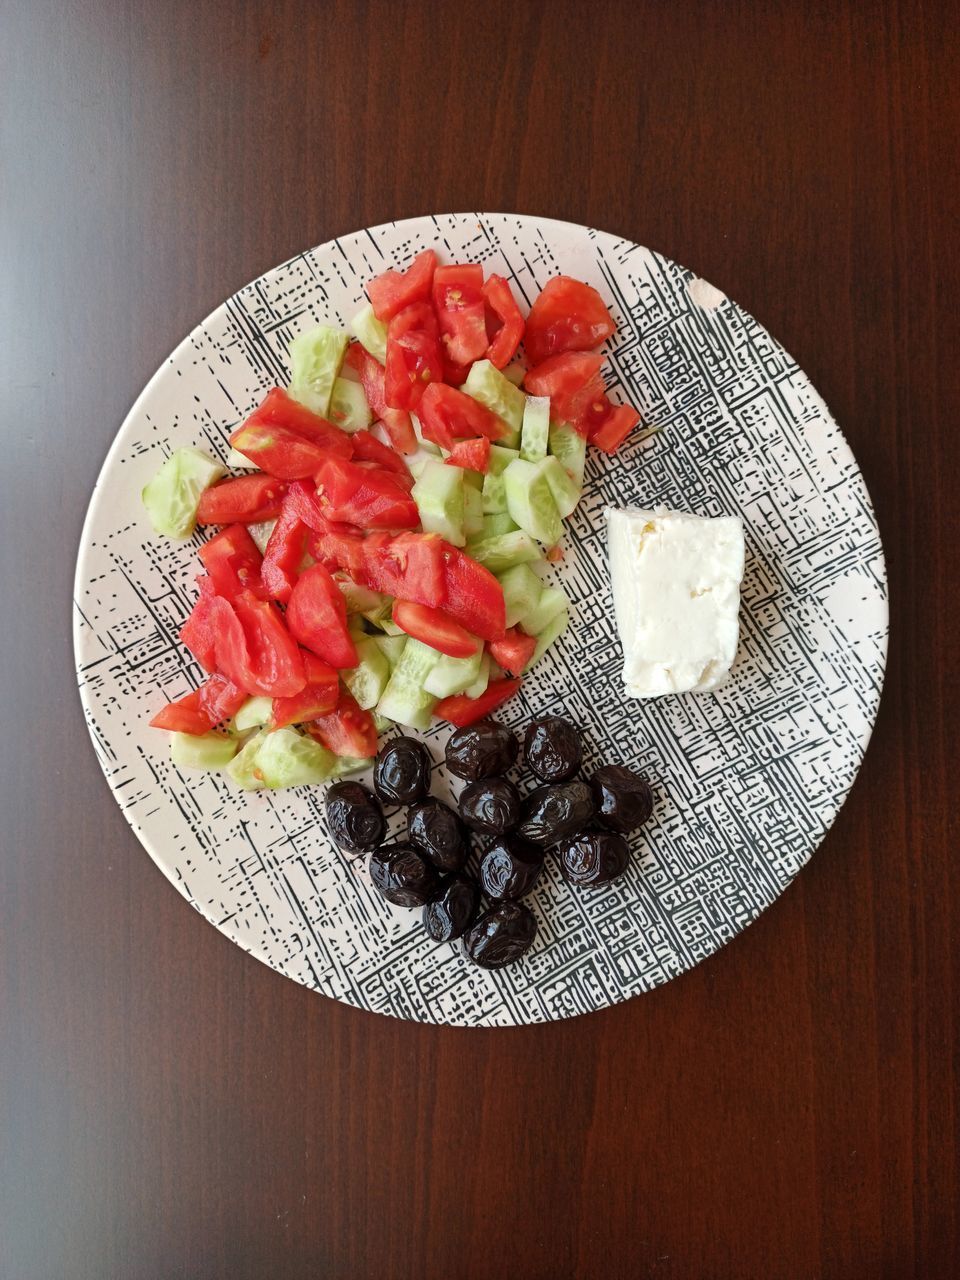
x,y
747,779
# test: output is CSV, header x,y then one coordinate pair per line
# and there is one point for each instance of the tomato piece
x,y
254,649
199,712
367,448
279,409
369,498
473,595
318,697
567,316
435,628
346,731
233,561
410,566
391,292
338,550
447,415
513,651
279,452
396,421
197,632
461,710
615,428
461,315
454,375
472,455
284,553
247,499
573,383
503,304
413,356
317,618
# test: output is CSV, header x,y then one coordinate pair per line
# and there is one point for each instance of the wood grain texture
x,y
170,1107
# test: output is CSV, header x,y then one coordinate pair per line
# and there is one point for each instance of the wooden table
x,y
171,1107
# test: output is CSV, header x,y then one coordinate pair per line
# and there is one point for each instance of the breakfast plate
x,y
747,777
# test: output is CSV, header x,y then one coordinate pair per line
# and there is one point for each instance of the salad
x,y
380,559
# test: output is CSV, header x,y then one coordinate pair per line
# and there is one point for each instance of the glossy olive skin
x,y
403,875
491,805
623,798
481,750
593,857
510,868
501,936
551,748
450,912
402,772
554,813
434,829
354,817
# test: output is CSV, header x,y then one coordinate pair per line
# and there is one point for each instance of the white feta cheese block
x,y
676,591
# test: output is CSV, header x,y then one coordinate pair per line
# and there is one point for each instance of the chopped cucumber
x,y
530,501
472,507
348,406
487,384
315,359
381,723
515,373
494,525
237,461
483,677
350,764
260,533
391,647
500,458
552,631
360,599
243,768
494,495
202,750
453,675
535,429
505,550
405,699
370,332
521,592
287,758
172,496
368,679
570,449
552,601
565,492
254,713
473,479
438,494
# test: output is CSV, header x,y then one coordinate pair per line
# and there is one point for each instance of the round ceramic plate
x,y
747,779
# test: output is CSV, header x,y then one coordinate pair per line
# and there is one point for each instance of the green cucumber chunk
x,y
315,359
202,750
350,764
565,492
530,501
552,601
494,494
254,713
391,647
494,525
348,406
505,550
487,384
570,450
172,496
472,508
438,494
242,769
405,700
483,677
360,599
287,758
453,675
368,679
382,723
552,631
535,428
370,332
521,592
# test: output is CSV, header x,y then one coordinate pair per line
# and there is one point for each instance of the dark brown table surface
x,y
169,1107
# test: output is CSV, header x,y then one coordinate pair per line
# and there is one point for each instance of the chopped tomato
x,y
280,410
370,498
615,427
473,595
396,421
461,710
247,499
567,316
410,566
233,561
318,697
391,292
283,557
317,618
435,628
454,375
507,338
447,415
413,356
199,712
338,550
472,455
513,651
197,633
367,448
346,731
458,302
254,649
280,452
573,383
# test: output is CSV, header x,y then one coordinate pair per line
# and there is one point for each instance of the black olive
x,y
593,857
402,772
551,747
354,817
623,798
403,876
501,935
434,829
491,805
551,814
481,750
510,868
448,914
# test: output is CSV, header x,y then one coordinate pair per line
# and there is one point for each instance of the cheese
x,y
676,591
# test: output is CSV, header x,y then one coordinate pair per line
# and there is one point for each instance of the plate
x,y
747,779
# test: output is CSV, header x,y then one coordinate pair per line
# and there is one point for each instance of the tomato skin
x,y
458,303
279,452
337,550
568,315
513,651
317,618
409,566
233,561
572,381
435,628
390,292
254,649
460,710
370,498
199,712
500,299
244,499
473,595
284,553
472,455
279,409
367,448
396,421
447,415
413,356
346,731
197,632
615,428
318,697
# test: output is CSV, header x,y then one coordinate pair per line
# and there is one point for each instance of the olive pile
x,y
583,823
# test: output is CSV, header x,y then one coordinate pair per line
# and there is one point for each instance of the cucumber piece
x,y
237,461
487,384
552,631
391,647
570,449
254,713
315,359
242,769
535,428
472,507
552,601
381,723
350,764
530,501
453,675
500,458
202,750
505,550
370,332
405,700
515,373
172,496
521,592
360,599
483,677
494,525
287,758
565,493
473,479
368,679
494,495
260,533
348,406
438,494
